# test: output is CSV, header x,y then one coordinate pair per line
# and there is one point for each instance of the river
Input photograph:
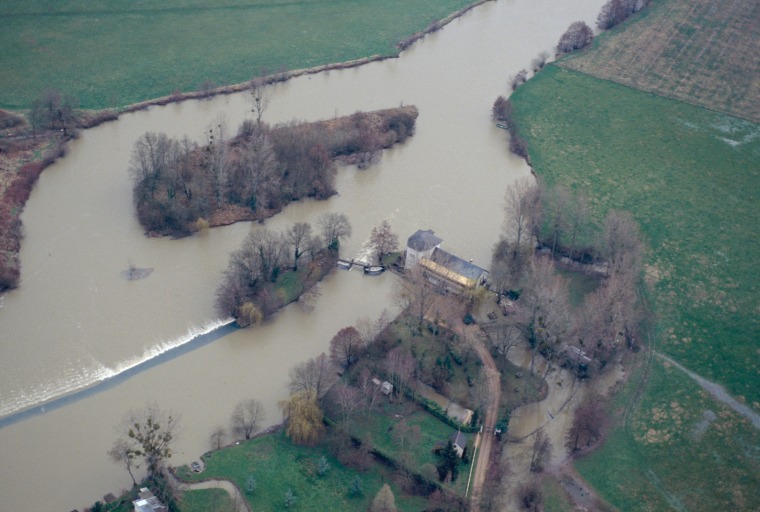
x,y
76,321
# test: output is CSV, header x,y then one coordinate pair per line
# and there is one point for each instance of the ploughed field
x,y
110,54
698,51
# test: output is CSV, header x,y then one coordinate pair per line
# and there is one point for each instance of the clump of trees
x,y
256,172
502,111
250,290
53,110
615,12
578,35
557,220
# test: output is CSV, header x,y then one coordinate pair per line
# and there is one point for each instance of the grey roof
x,y
458,439
423,240
456,264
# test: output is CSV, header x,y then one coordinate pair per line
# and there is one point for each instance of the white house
x,y
420,245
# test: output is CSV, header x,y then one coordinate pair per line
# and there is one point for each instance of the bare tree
x,y
122,453
542,448
539,61
368,388
400,364
260,97
299,236
347,398
587,425
522,206
346,347
504,336
549,309
334,226
518,79
246,417
383,239
416,295
217,437
149,433
254,178
577,36
216,161
622,244
317,374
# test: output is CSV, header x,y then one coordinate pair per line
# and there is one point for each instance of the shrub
x,y
578,35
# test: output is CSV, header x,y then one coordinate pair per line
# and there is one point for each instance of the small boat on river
x,y
374,270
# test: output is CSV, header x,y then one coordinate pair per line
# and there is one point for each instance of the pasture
x,y
111,54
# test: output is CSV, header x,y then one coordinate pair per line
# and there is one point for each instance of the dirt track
x,y
486,439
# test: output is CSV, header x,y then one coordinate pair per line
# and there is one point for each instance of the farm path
x,y
239,503
717,391
491,415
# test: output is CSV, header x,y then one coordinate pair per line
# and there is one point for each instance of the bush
x,y
578,35
468,319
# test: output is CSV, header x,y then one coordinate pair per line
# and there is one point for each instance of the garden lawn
x,y
381,426
279,465
109,53
206,500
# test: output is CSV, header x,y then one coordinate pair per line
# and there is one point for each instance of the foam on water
x,y
83,374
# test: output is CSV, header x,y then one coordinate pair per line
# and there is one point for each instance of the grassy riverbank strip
x,y
278,465
689,177
109,54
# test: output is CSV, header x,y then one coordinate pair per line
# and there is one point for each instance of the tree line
x,y
559,222
179,185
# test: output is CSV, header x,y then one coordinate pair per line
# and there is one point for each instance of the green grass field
x,y
681,450
690,177
109,53
278,465
206,500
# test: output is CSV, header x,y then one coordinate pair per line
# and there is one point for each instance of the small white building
x,y
387,388
147,502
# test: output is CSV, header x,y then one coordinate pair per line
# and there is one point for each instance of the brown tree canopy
x,y
346,347
248,414
577,36
317,374
384,500
383,239
588,422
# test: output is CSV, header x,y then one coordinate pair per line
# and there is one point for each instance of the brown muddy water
x,y
76,322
